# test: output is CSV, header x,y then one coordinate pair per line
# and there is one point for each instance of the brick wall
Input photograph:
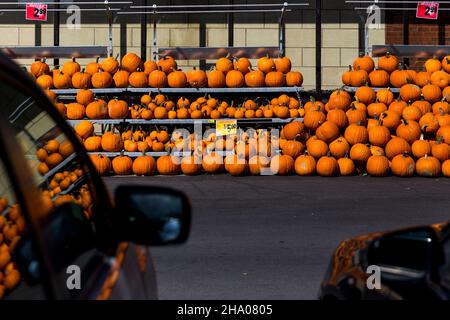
x,y
421,32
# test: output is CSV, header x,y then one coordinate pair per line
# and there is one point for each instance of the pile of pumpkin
x,y
132,71
52,154
248,153
160,107
12,226
390,73
375,134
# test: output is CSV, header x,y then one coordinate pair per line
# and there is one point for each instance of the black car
x,y
408,264
61,234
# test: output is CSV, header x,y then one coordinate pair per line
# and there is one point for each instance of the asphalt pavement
x,y
271,237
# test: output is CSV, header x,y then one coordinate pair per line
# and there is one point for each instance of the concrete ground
x,y
272,237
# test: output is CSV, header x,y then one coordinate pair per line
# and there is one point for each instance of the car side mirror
x,y
151,215
411,253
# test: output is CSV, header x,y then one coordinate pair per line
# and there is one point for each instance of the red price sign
x,y
427,10
36,11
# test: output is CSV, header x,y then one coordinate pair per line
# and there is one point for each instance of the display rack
x,y
157,11
376,89
185,90
153,154
184,121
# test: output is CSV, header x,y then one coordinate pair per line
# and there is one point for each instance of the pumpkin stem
x,y
440,139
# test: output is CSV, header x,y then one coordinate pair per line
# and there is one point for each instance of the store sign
x,y
36,11
427,10
226,127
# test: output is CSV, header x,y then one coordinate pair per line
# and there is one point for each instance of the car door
x,y
66,247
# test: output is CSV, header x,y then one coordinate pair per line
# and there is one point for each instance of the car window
x,y
67,228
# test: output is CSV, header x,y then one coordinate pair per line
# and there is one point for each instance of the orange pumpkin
x,y
327,166
266,64
144,166
428,166
234,79
131,62
122,165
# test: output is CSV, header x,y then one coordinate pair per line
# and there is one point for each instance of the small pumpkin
x,y
85,96
120,79
428,166
397,146
360,153
138,79
157,79
403,165
62,80
75,111
377,166
117,109
275,79
365,95
235,165
224,65
97,110
365,63
356,133
122,165
420,148
282,165
101,79
110,65
305,165
255,78
81,80
328,131
197,78
234,79
71,67
243,65
112,142
84,129
266,64
144,165
39,68
216,79
177,79
409,130
316,148
388,62
327,166
294,79
346,166
101,163
212,163
167,64
131,62
339,147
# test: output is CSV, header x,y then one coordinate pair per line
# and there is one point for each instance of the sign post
x,y
427,10
36,12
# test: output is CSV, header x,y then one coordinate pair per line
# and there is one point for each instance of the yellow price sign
x,y
226,127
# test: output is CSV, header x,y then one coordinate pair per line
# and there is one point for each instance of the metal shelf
x,y
129,154
185,90
183,121
153,154
376,89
